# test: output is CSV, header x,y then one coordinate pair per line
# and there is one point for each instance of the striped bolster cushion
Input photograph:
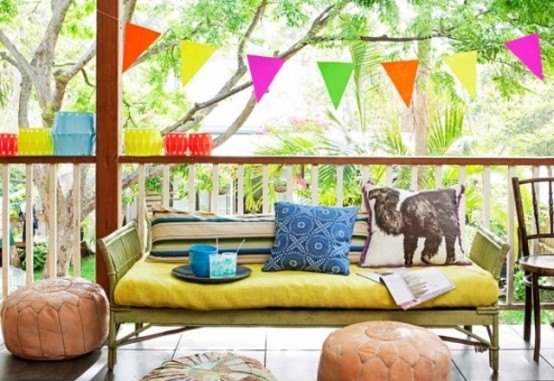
x,y
173,232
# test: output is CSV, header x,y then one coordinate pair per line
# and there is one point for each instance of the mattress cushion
x,y
151,284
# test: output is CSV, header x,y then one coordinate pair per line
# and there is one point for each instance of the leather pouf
x,y
211,366
384,350
55,319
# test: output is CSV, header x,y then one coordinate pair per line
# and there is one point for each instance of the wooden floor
x,y
291,354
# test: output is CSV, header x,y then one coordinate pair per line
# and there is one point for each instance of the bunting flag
x,y
403,75
193,57
137,40
464,67
336,76
263,70
528,50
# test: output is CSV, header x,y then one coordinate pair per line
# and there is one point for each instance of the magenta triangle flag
x,y
528,50
263,70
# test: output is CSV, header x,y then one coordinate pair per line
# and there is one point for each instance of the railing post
x,y
6,254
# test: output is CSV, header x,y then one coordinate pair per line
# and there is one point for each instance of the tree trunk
x,y
419,105
66,239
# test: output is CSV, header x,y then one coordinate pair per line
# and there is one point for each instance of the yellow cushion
x,y
150,284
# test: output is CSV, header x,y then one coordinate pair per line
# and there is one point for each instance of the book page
x,y
426,284
394,282
409,287
398,288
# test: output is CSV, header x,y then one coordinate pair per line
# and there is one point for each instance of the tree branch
x,y
238,122
162,47
385,38
128,10
22,64
11,61
189,119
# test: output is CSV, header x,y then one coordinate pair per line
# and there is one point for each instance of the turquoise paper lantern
x,y
74,133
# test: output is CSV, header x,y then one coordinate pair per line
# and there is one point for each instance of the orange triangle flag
x,y
137,40
403,75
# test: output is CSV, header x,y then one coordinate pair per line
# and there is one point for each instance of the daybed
x,y
144,292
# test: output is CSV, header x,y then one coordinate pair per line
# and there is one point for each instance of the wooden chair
x,y
534,201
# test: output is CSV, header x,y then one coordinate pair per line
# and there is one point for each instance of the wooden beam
x,y
108,125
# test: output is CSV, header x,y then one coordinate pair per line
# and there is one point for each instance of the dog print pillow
x,y
413,229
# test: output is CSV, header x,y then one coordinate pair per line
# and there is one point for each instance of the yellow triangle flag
x,y
193,57
464,67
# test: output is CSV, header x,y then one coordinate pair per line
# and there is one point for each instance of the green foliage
x,y
519,287
40,252
8,10
445,131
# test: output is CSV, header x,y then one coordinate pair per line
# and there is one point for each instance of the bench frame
x,y
123,248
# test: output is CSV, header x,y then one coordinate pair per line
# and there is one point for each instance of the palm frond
x,y
445,130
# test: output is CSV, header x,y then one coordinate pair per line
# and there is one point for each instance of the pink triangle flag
x,y
528,50
263,70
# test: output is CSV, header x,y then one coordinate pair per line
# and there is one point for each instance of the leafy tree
x,y
48,49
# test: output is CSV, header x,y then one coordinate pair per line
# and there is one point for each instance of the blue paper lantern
x,y
74,133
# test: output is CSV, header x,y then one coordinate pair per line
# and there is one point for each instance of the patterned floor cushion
x,y
211,366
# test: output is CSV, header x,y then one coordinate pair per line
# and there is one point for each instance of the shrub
x,y
40,252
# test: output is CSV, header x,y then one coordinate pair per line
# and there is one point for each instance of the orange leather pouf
x,y
55,319
384,350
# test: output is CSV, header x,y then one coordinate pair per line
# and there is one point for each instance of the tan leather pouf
x,y
55,319
384,350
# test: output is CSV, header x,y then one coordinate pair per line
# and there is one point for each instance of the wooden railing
x,y
488,178
27,165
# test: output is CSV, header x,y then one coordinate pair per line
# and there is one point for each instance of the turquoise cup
x,y
199,258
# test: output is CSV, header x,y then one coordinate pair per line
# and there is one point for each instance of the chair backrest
x,y
488,251
534,201
120,250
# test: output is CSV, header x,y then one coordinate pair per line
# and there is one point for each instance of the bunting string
x,y
336,75
107,15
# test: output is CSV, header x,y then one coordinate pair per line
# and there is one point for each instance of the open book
x,y
409,287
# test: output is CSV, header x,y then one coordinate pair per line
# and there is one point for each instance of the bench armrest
x,y
488,251
120,250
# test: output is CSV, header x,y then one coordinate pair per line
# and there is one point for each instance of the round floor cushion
x,y
211,366
384,350
55,319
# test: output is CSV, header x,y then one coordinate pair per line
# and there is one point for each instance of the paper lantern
x,y
142,142
74,133
35,142
176,144
8,144
200,144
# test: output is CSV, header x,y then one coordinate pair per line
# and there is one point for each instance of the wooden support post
x,y
108,124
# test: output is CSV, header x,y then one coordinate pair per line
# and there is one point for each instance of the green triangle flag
x,y
336,76
193,57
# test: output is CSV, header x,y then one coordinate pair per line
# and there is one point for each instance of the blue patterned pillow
x,y
311,238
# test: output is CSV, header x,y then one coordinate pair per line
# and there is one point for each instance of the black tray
x,y
185,273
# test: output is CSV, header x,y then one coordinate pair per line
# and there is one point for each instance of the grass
x,y
516,317
88,269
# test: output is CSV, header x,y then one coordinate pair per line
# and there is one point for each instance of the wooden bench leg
x,y
494,350
112,347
